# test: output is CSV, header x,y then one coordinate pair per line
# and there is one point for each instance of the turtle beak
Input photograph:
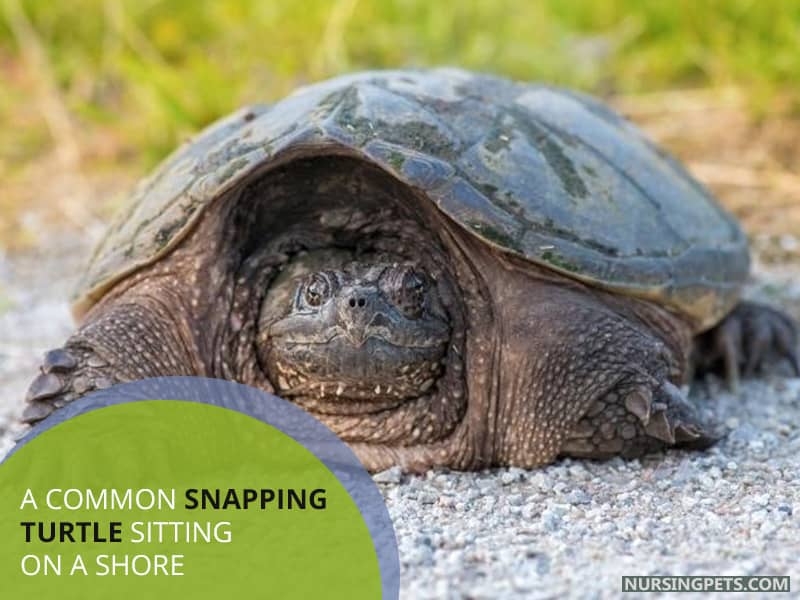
x,y
356,307
356,336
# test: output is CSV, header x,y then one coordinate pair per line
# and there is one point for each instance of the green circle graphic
x,y
296,532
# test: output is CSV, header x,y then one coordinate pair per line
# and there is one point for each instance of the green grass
x,y
147,73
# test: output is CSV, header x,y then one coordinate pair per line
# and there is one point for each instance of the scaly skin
x,y
551,368
534,365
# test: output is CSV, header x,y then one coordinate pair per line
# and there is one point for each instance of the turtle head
x,y
365,331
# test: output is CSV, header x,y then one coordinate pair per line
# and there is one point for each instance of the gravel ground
x,y
571,529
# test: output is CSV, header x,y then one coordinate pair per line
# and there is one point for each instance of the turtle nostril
x,y
357,301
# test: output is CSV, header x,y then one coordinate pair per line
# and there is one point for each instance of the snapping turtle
x,y
445,268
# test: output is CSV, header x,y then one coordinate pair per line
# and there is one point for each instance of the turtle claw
x,y
788,347
53,387
660,428
58,361
670,418
640,403
795,362
35,412
687,432
656,416
677,421
46,385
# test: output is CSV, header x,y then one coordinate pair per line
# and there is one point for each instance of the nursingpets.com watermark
x,y
706,583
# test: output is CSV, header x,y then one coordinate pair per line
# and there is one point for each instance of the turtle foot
x,y
753,339
65,375
636,421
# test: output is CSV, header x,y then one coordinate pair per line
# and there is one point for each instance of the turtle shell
x,y
544,173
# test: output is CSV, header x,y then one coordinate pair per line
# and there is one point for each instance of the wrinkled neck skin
x,y
510,328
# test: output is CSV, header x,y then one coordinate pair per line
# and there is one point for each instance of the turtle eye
x,y
410,295
317,290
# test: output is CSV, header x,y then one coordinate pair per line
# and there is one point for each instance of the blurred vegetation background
x,y
95,92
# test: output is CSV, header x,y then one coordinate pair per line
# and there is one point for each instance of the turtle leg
x,y
123,342
642,410
753,339
589,381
